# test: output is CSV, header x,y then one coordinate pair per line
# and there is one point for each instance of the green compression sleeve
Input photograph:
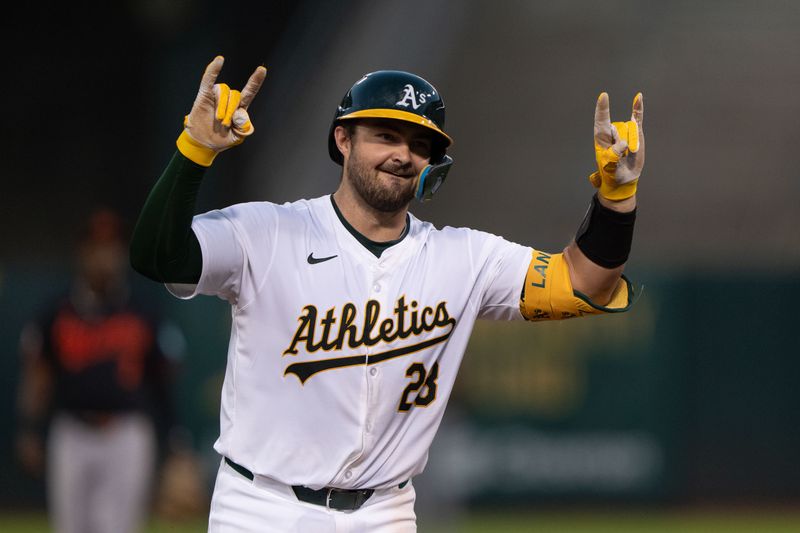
x,y
163,247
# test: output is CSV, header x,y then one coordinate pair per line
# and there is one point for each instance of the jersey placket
x,y
377,281
378,292
378,276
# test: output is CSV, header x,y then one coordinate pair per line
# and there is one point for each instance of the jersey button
x,y
377,287
373,371
348,474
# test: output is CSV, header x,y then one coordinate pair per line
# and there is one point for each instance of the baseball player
x,y
94,368
350,315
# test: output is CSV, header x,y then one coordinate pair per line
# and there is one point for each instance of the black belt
x,y
333,498
330,497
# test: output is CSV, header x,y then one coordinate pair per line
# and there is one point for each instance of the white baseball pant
x,y
265,506
98,479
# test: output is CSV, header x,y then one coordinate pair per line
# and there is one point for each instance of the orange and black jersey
x,y
108,361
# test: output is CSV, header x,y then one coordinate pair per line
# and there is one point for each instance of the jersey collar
x,y
376,248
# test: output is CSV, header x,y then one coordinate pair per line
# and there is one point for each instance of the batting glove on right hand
x,y
218,119
619,150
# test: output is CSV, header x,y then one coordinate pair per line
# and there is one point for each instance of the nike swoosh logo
x,y
314,260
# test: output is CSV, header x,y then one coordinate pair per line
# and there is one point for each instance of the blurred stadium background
x,y
683,415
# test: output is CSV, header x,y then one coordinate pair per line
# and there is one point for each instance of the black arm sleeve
x,y
163,246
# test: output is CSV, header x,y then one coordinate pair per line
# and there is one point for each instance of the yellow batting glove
x,y
619,150
219,118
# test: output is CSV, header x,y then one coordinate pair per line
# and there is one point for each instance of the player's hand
x,y
218,119
619,150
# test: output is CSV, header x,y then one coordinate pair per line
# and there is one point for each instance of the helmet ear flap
x,y
431,178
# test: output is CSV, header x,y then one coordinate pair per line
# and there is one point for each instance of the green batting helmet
x,y
398,95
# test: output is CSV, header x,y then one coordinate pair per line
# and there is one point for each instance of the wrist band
x,y
194,151
605,235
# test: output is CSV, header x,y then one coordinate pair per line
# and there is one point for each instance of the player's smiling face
x,y
382,158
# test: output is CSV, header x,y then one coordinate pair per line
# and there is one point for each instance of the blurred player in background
x,y
94,392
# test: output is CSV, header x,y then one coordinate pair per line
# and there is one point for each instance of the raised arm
x,y
598,254
163,246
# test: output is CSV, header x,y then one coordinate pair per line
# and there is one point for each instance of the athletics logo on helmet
x,y
399,95
410,97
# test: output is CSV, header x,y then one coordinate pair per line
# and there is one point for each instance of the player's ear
x,y
344,139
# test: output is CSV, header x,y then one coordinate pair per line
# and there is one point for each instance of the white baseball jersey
x,y
340,363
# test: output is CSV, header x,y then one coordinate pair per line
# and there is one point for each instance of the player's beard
x,y
383,195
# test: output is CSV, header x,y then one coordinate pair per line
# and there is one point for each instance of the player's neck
x,y
375,225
